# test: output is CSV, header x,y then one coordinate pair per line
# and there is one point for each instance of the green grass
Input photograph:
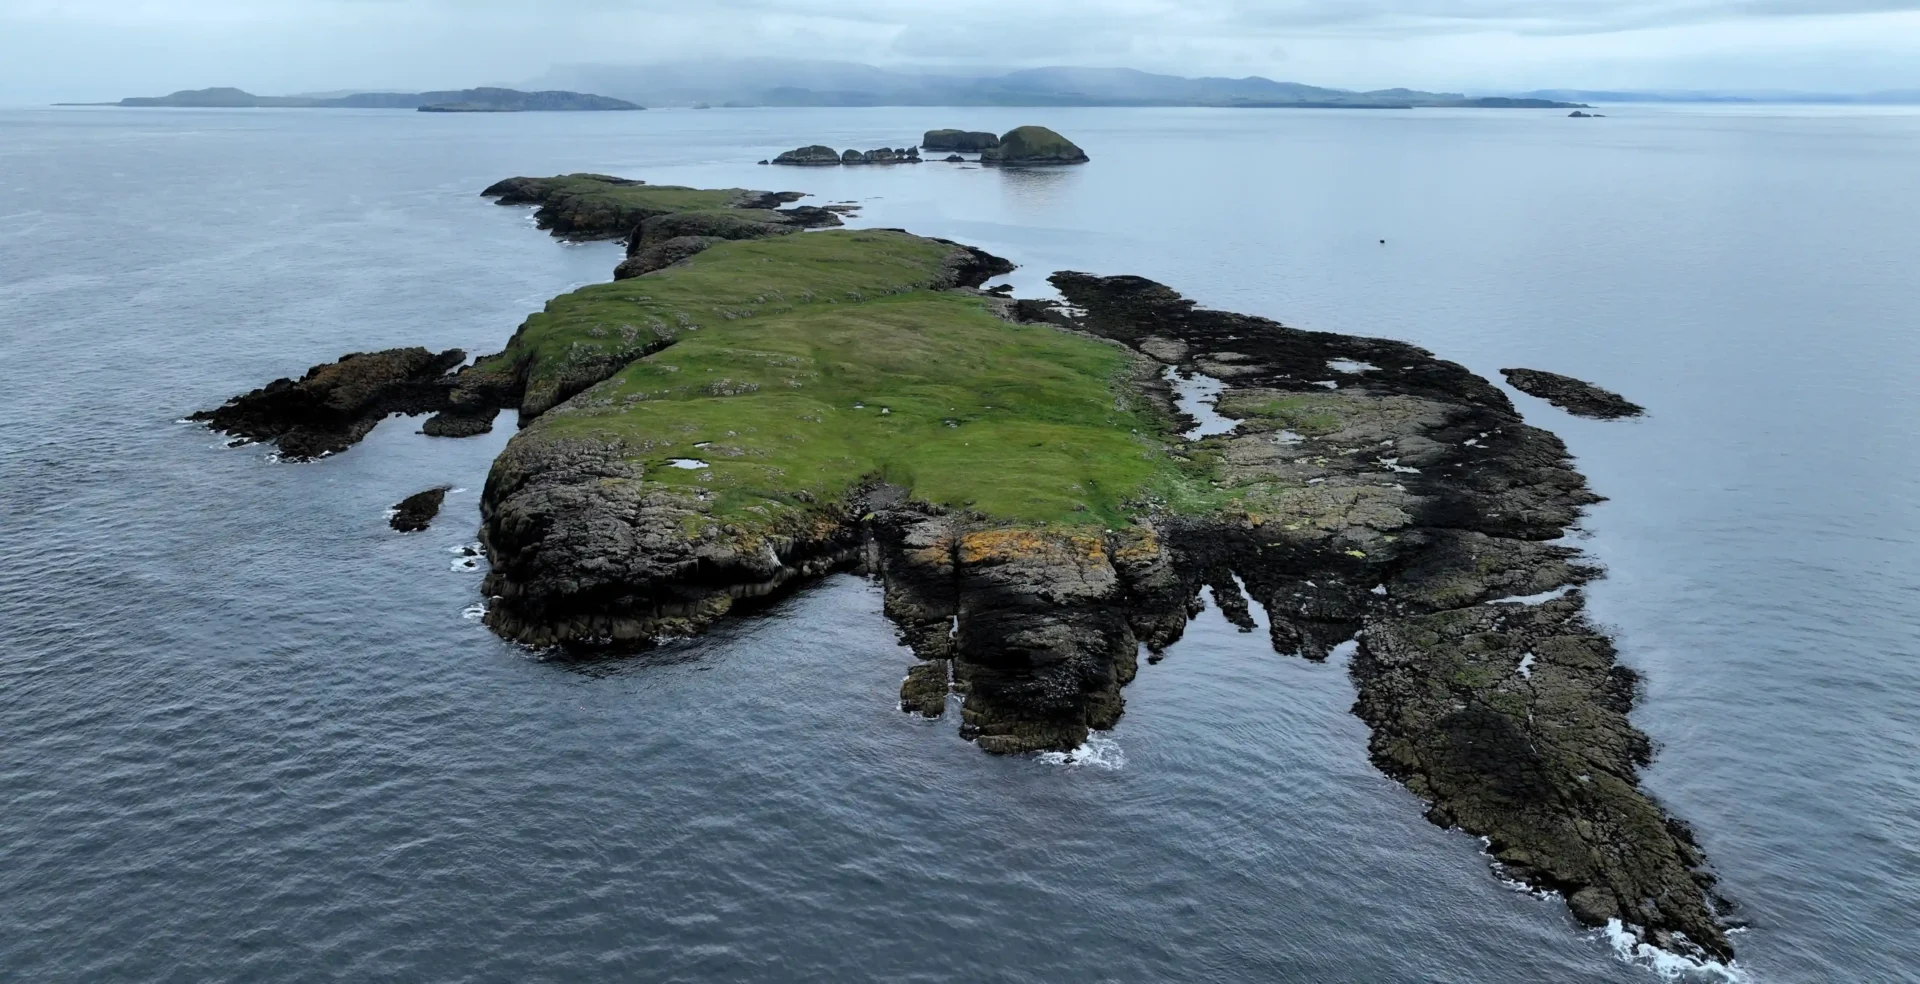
x,y
803,392
593,190
596,329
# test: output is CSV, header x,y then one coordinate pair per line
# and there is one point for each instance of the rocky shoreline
x,y
738,419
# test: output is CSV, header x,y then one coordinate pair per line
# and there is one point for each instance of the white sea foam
x,y
1670,966
475,611
1350,366
1100,751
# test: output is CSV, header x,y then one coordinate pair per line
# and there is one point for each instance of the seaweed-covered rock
x,y
953,159
970,141
415,512
1575,397
1033,145
336,404
815,155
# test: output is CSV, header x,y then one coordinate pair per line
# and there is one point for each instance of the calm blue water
x,y
246,733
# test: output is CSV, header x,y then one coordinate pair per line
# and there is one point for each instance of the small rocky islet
x,y
415,512
749,415
1582,399
1031,146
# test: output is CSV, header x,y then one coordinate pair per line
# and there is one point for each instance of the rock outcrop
x,y
415,512
1033,146
815,155
336,404
1575,397
969,141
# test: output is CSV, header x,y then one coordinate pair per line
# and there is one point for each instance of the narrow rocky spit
x,y
1582,399
1368,491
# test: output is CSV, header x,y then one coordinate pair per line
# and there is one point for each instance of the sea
x,y
249,733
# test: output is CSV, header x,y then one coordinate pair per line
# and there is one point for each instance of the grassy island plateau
x,y
750,407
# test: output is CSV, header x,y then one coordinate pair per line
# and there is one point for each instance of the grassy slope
x,y
595,190
804,341
738,281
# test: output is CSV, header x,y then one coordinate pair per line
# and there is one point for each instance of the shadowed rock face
x,y
336,404
1575,397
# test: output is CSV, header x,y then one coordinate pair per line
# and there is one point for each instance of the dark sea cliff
x,y
252,736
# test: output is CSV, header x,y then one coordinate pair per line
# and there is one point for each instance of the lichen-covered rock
x,y
970,141
1579,398
1033,145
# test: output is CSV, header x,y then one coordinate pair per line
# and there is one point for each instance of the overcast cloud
x,y
99,49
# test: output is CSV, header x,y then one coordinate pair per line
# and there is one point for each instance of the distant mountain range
x,y
454,101
1892,97
787,82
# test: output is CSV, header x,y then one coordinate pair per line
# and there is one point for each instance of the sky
x,y
105,49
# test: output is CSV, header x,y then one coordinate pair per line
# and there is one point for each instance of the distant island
x,y
483,100
776,82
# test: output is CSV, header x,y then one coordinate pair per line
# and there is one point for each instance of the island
x,y
1041,509
1033,146
482,100
971,141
